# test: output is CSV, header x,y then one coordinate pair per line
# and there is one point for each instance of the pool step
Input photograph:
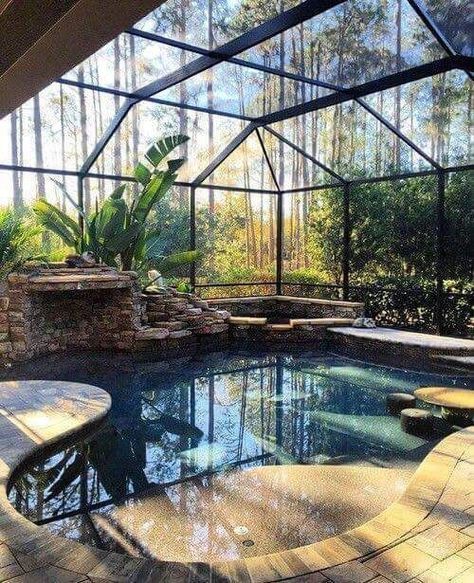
x,y
247,320
464,362
292,324
322,322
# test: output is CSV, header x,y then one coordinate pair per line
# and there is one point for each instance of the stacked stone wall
x,y
45,310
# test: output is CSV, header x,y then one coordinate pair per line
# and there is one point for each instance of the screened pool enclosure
x,y
330,151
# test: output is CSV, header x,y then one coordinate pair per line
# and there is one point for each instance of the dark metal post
x,y
80,199
346,241
279,243
440,247
192,234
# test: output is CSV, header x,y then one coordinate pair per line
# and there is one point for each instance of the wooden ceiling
x,y
41,40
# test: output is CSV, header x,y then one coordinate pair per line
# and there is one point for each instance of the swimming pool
x,y
224,455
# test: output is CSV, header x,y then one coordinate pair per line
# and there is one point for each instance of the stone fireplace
x,y
48,310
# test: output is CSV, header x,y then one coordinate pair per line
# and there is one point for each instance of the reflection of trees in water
x,y
109,464
257,413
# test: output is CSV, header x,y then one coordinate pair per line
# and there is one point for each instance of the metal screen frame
x,y
229,53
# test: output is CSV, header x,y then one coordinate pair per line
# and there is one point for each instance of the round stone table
x,y
457,405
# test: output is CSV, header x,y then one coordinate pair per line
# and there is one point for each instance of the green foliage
x,y
17,236
393,246
304,275
411,303
183,287
119,233
59,223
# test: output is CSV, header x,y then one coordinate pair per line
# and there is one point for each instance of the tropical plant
x,y
17,233
118,234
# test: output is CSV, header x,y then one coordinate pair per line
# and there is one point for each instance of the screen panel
x,y
239,90
435,113
351,142
210,24
292,169
22,189
246,167
57,129
354,42
393,230
236,232
459,249
130,62
313,242
455,20
147,122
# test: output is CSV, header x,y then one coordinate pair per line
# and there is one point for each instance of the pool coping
x,y
432,521
445,345
285,299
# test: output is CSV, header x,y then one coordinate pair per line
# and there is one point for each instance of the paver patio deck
x,y
427,536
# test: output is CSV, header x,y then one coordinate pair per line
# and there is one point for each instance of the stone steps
x,y
292,324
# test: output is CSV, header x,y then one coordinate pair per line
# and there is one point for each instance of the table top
x,y
447,397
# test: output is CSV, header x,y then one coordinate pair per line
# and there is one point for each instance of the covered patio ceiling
x,y
36,47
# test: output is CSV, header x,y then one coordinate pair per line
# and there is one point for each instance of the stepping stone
x,y
457,405
396,402
383,431
416,421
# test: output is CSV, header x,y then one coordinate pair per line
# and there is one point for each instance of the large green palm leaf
x,y
55,220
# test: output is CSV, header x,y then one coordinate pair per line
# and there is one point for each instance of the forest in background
x,y
393,223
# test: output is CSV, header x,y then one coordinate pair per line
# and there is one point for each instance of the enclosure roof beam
x,y
398,133
225,153
165,102
267,158
306,155
287,75
247,40
375,86
234,60
255,36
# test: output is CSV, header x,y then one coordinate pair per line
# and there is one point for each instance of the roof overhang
x,y
41,41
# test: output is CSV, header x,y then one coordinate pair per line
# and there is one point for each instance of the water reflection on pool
x,y
197,458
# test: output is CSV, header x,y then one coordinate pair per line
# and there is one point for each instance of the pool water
x,y
225,455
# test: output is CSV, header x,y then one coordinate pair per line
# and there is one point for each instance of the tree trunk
x,y
134,81
183,96
398,88
17,194
20,147
83,132
37,127
281,101
63,143
117,136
